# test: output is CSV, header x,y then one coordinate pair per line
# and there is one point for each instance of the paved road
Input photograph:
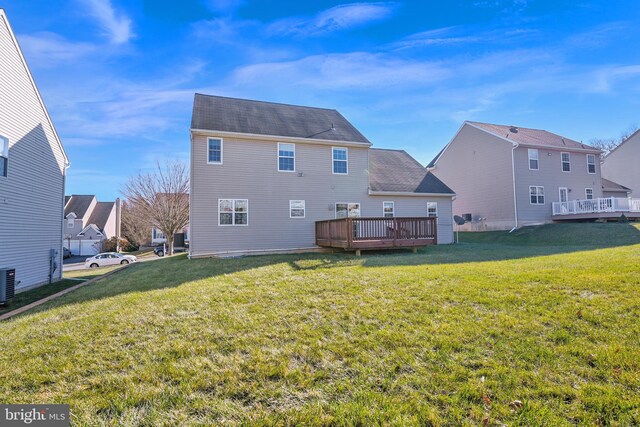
x,y
77,262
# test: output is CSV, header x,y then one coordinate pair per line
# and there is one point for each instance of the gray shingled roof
x,y
100,214
218,113
608,185
397,171
532,136
78,204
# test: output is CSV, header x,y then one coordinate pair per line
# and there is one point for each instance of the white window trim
x,y
393,208
436,205
294,157
4,154
335,209
585,194
233,212
537,159
221,151
562,162
543,195
346,151
559,193
595,169
304,209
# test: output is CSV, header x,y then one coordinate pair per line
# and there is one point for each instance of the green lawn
x,y
452,335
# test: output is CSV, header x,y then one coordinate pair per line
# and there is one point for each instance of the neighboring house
x,y
612,189
158,237
263,173
32,173
87,223
507,177
622,164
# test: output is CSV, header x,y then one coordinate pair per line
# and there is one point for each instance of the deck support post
x,y
358,252
414,250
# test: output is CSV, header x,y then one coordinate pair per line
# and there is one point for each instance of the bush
x,y
111,245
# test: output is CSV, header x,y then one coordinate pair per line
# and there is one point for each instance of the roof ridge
x,y
516,126
267,102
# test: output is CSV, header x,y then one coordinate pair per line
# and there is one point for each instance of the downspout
x,y
515,196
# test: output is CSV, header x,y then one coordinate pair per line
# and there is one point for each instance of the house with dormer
x,y
88,222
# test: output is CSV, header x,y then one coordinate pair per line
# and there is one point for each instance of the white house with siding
x,y
622,164
32,173
263,174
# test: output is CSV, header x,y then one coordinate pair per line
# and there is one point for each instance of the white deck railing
x,y
601,205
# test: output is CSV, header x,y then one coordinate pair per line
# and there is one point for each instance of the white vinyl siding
x,y
347,210
534,163
286,157
588,193
214,151
388,209
591,163
565,159
296,209
536,195
233,212
340,157
432,209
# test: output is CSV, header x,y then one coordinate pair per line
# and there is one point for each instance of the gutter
x,y
515,196
278,138
410,194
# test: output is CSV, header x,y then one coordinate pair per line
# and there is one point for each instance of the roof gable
x,y
397,171
78,204
101,214
218,113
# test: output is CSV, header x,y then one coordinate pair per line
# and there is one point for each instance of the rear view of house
x,y
269,177
32,173
507,176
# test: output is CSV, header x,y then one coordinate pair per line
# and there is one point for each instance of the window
x,y
588,192
432,209
286,157
214,151
347,210
340,161
387,209
157,234
533,159
566,162
69,222
591,163
4,155
536,195
296,209
233,212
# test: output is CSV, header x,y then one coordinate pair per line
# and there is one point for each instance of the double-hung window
x,y
286,157
233,212
340,158
388,209
536,195
347,210
296,209
214,151
566,162
588,193
432,209
533,159
4,155
591,163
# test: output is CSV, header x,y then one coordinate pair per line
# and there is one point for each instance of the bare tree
x,y
135,226
609,144
161,198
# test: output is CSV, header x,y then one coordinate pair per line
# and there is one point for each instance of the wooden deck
x,y
376,233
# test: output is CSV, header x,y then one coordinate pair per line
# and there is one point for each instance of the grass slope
x,y
449,336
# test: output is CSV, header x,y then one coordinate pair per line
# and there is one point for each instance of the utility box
x,y
7,285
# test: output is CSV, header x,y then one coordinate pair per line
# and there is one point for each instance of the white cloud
x,y
338,18
117,26
47,49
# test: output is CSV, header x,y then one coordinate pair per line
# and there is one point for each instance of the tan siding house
x,y
508,177
88,222
262,174
622,165
32,172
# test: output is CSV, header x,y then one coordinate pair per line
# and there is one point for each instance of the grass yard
x,y
453,335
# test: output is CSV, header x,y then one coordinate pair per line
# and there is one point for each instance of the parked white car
x,y
108,258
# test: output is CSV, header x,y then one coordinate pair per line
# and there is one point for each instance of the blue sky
x,y
118,77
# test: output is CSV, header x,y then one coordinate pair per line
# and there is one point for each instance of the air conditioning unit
x,y
7,285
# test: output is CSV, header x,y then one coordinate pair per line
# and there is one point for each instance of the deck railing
x,y
354,233
600,205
